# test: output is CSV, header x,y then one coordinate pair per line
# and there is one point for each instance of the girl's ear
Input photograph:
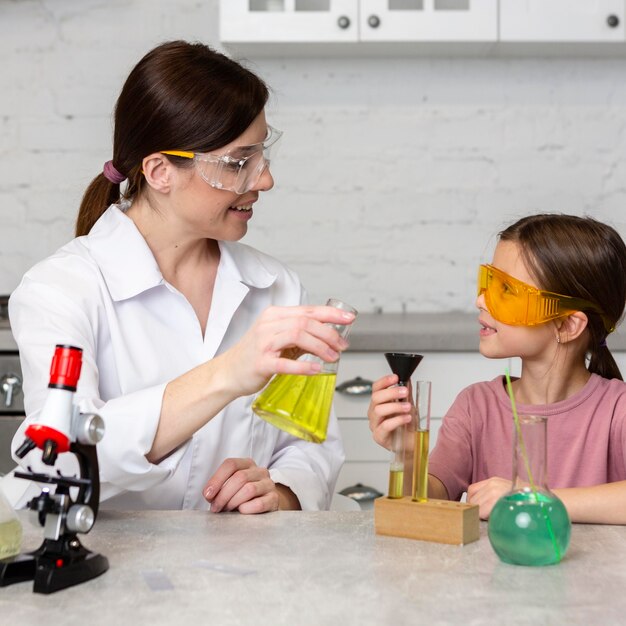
x,y
157,172
571,327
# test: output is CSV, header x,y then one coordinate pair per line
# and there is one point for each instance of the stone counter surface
x,y
293,568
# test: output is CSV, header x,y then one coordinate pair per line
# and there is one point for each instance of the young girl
x,y
555,289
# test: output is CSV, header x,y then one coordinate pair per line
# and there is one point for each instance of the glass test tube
x,y
402,364
396,468
421,444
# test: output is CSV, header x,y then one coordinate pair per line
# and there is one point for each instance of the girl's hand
x,y
239,484
486,493
278,337
388,409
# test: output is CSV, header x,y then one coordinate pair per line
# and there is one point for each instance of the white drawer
x,y
372,474
360,445
367,463
449,372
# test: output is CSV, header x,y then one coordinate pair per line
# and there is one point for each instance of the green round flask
x,y
530,525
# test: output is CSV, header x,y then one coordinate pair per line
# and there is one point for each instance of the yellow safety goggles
x,y
513,302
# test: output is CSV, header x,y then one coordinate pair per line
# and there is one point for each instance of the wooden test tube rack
x,y
442,521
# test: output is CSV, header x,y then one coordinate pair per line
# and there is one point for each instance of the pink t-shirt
x,y
586,437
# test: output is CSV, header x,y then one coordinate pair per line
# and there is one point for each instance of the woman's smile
x,y
242,211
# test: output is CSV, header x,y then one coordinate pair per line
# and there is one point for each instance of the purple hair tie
x,y
111,174
603,343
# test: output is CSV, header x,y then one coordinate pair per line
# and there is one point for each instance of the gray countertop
x,y
445,332
414,332
305,569
434,332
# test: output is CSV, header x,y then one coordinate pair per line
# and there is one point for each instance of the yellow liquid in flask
x,y
299,405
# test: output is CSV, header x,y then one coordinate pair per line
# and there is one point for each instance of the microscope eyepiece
x,y
50,452
25,448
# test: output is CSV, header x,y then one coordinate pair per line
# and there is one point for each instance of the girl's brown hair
x,y
180,96
583,258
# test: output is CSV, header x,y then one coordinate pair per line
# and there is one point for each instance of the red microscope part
x,y
51,432
61,561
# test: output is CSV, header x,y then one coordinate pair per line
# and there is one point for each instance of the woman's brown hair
x,y
583,258
180,96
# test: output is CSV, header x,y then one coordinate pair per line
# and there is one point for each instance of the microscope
x,y
61,561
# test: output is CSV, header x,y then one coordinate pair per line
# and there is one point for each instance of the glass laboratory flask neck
x,y
300,405
530,525
530,454
331,368
342,329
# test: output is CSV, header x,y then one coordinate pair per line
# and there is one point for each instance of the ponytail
x,y
100,194
601,362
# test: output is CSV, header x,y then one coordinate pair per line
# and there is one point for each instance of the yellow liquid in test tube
x,y
420,466
299,405
396,482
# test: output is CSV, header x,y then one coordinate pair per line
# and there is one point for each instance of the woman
x,y
178,322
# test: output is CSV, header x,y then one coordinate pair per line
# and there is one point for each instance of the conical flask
x,y
530,525
300,405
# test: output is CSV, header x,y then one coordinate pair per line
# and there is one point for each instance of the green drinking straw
x,y
533,488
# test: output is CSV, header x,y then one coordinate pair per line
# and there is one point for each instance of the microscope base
x,y
52,570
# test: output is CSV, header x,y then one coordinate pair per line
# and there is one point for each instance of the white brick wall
x,y
393,177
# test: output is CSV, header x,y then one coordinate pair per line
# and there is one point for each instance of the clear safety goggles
x,y
237,170
516,303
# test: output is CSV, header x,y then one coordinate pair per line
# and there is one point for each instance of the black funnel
x,y
403,364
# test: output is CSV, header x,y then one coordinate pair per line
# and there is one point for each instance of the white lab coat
x,y
105,294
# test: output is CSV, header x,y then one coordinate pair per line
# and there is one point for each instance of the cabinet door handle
x,y
343,21
356,387
10,386
612,21
373,21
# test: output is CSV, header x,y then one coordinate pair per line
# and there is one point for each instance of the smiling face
x,y
212,213
498,340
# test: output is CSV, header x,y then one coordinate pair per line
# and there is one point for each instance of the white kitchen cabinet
x,y
366,462
303,22
562,21
447,27
428,20
288,21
